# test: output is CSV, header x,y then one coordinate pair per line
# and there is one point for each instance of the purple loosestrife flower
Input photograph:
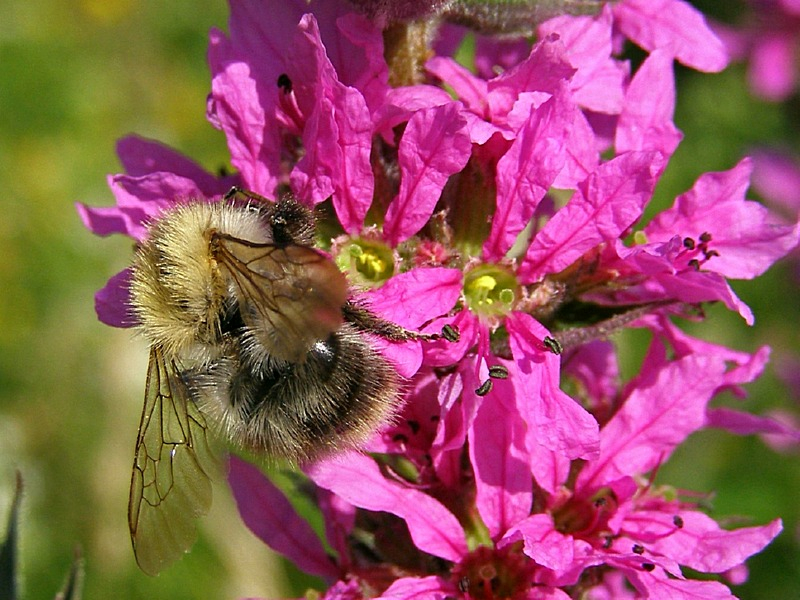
x,y
507,208
769,41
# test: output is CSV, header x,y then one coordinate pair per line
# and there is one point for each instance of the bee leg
x,y
292,223
236,192
367,321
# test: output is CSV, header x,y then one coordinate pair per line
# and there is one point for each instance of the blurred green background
x,y
76,77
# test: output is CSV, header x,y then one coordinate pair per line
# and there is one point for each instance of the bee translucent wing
x,y
290,296
515,17
170,484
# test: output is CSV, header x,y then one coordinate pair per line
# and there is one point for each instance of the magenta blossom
x,y
506,209
518,524
769,40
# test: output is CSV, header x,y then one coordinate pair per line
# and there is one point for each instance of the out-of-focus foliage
x,y
78,75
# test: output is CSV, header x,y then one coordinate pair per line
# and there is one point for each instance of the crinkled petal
x,y
603,207
402,102
545,70
542,542
666,403
468,88
674,25
442,352
242,105
500,462
338,134
664,279
494,54
646,119
269,515
550,469
527,170
598,81
412,298
108,220
554,419
700,543
582,153
264,32
358,479
357,55
746,236
435,145
141,198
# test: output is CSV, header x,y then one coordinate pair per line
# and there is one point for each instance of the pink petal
x,y
494,55
112,303
500,462
664,279
415,297
700,543
546,546
746,236
339,518
554,419
527,170
583,153
550,469
442,353
545,70
418,588
603,207
140,156
674,25
595,366
469,89
239,105
598,81
772,65
666,403
743,423
402,102
108,220
263,34
434,146
406,357
659,585
776,177
358,479
357,55
646,119
269,515
338,134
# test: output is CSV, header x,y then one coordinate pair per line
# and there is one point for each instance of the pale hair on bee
x,y
252,330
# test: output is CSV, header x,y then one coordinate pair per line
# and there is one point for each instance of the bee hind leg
x,y
367,321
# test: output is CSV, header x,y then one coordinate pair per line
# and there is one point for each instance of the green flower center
x,y
367,263
490,290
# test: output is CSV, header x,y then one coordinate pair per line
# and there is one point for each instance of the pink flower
x,y
521,520
769,40
509,211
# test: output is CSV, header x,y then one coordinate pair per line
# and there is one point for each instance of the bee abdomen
x,y
333,400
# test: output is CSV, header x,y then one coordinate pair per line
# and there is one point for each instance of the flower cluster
x,y
504,202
